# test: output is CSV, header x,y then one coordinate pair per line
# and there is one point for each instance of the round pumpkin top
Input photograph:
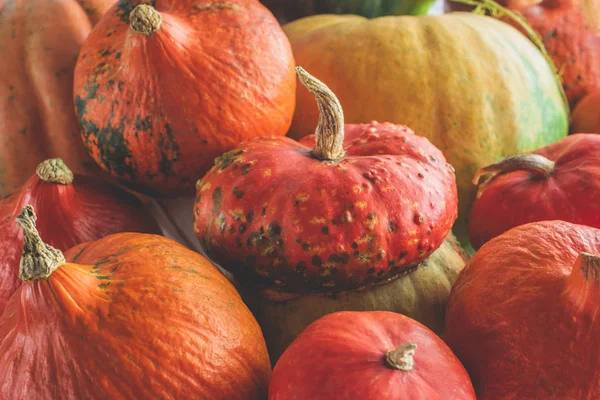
x,y
128,316
163,87
365,204
369,355
560,181
522,316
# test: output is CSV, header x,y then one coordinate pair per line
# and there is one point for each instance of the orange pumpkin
x,y
586,115
39,42
128,316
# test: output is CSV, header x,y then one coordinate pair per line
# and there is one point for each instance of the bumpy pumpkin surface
x,y
130,316
557,182
475,86
365,203
74,209
522,315
39,43
369,356
420,293
570,31
585,116
163,87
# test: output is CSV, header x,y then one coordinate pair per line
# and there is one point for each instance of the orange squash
x,y
39,43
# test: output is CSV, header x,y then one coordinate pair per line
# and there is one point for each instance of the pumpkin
x,y
585,116
421,293
557,182
366,203
290,10
164,87
568,29
128,316
369,355
521,316
475,86
39,41
74,209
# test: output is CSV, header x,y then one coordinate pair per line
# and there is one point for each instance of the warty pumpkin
x,y
586,115
420,293
568,29
39,43
522,316
163,87
473,85
557,182
369,356
128,316
364,204
74,209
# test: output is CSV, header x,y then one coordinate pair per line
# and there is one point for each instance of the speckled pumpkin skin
x,y
475,86
155,111
269,209
421,293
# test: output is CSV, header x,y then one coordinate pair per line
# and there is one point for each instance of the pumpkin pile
x,y
380,204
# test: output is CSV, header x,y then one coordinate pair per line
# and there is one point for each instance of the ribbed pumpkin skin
x,y
39,43
476,87
131,316
270,211
585,116
523,315
83,211
157,110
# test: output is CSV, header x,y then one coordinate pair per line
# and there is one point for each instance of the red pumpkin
x,y
570,32
560,181
522,314
369,356
39,43
367,203
586,115
164,87
128,316
73,210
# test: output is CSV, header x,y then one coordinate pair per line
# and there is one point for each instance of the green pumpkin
x,y
290,10
476,87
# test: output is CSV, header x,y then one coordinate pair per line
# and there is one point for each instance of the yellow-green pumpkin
x,y
475,86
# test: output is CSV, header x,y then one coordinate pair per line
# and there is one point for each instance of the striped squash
x,y
475,86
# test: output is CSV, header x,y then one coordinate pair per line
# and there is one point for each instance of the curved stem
x,y
38,260
145,19
583,284
402,356
54,170
538,166
330,130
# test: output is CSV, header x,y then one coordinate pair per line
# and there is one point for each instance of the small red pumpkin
x,y
163,87
586,115
74,209
560,181
130,316
366,203
369,356
523,314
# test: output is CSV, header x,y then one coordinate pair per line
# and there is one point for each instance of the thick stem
x,y
54,170
538,166
402,356
330,130
583,284
145,19
38,260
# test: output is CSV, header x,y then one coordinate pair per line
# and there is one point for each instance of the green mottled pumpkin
x,y
475,86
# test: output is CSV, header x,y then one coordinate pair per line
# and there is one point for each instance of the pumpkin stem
x,y
145,19
38,260
402,356
538,166
330,130
583,284
54,170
